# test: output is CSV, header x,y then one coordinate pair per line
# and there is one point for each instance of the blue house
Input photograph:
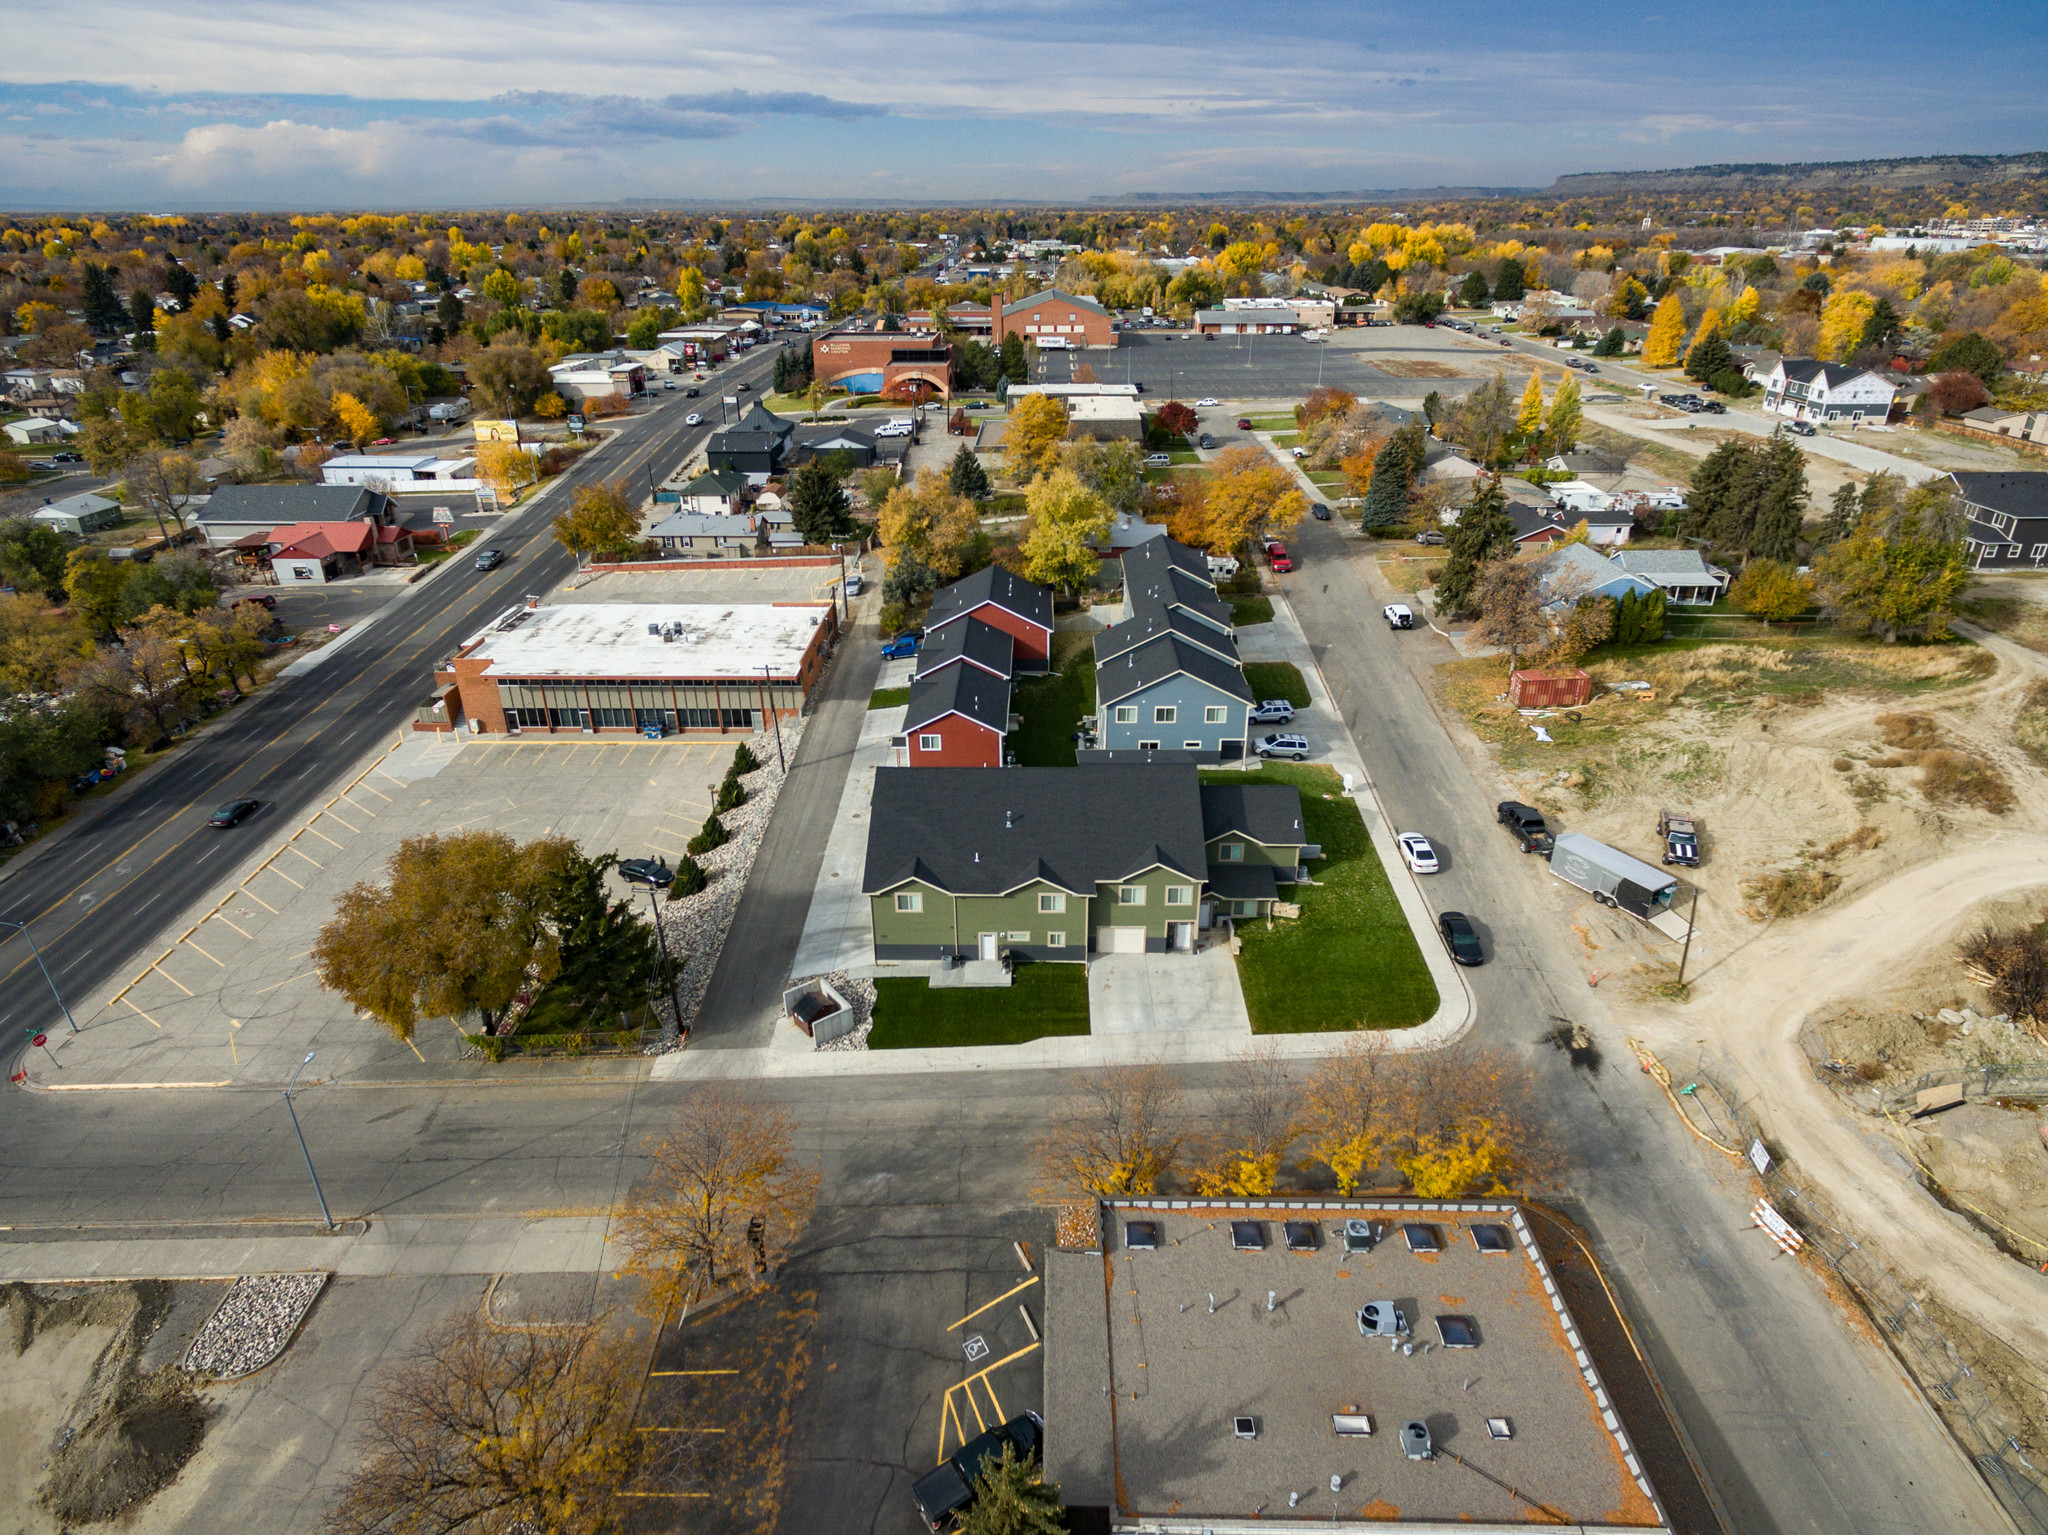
x,y
1168,678
1575,571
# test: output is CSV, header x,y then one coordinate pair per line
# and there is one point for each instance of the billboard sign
x,y
496,431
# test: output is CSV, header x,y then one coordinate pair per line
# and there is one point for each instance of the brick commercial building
x,y
610,668
879,362
1053,318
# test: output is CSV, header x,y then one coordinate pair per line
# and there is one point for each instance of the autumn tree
x,y
1031,441
358,423
1248,494
1323,400
1115,470
93,583
1901,568
1566,420
1700,353
1119,1134
106,443
32,557
1347,1117
1667,333
1483,423
1241,1150
460,926
500,1429
1069,522
1176,419
601,519
1956,392
1770,589
142,682
165,483
1529,414
508,376
925,522
1583,626
723,1201
1510,602
1842,321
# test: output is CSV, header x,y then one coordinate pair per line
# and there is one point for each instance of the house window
x,y
2012,551
1163,714
1017,937
1130,895
1055,940
1180,895
1215,714
2039,551
1126,714
929,743
1244,908
1193,746
909,900
1052,903
1230,852
1148,746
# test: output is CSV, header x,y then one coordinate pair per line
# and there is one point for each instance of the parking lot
x,y
1175,364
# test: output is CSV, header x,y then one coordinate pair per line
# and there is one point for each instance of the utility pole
x,y
1691,918
22,928
317,1194
768,704
661,943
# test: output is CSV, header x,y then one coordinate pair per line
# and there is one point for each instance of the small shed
x,y
1549,690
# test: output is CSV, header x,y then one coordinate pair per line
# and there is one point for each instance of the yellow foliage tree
x,y
1444,1163
927,521
357,421
1667,333
504,466
1031,442
1529,417
1065,517
1744,308
1842,321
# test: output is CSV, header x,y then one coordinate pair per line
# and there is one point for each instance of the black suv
x,y
1525,822
945,1493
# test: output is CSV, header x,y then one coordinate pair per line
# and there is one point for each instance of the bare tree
x,y
498,1432
1242,1151
1510,607
1119,1135
166,483
721,1206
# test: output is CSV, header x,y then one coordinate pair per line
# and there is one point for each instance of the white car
x,y
1398,616
1417,853
1158,460
694,418
1209,400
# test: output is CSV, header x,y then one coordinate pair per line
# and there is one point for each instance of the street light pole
x,y
776,719
661,943
317,1194
22,928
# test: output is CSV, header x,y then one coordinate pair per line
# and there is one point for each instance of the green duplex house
x,y
1059,863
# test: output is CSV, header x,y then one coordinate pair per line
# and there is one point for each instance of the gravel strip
x,y
696,925
253,1323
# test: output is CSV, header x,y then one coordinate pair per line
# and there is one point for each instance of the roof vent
x,y
1007,825
1245,1428
1415,1440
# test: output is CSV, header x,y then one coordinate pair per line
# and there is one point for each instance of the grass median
x,y
888,698
1277,679
1350,960
1043,1000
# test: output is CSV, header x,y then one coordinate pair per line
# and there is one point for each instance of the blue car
x,y
901,646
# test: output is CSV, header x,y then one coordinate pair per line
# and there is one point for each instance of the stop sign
x,y
40,1040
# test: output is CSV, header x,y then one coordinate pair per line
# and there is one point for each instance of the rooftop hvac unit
x,y
1415,1440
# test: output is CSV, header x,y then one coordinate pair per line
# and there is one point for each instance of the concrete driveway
x,y
1166,993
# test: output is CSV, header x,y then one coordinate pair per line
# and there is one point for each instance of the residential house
x,y
1684,574
1052,863
757,445
33,431
234,512
2007,514
1255,844
1575,572
958,716
318,552
1168,677
1539,525
1803,389
80,514
1021,609
715,492
835,437
1126,533
1756,362
971,643
1168,574
23,383
717,535
2020,425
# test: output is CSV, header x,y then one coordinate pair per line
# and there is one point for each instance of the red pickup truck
x,y
1278,557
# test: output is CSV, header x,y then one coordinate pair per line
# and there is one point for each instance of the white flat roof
x,y
1100,407
603,639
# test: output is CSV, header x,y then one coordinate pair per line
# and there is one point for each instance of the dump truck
x,y
1680,835
1611,876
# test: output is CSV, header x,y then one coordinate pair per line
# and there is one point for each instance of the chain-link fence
x,y
1992,1079
1976,1420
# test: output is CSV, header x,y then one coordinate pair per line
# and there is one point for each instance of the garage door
x,y
1120,940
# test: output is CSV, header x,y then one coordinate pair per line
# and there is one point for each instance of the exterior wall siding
x,y
1154,915
1278,857
931,928
1189,699
1031,647
963,743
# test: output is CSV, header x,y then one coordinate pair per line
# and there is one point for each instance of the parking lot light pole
x,y
22,928
317,1194
774,718
661,945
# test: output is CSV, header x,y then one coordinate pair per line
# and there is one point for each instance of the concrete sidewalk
x,y
837,934
399,1245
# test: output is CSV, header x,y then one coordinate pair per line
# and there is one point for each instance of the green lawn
x,y
1184,455
1286,439
1280,423
1277,679
888,698
1350,960
1252,610
1051,708
1045,999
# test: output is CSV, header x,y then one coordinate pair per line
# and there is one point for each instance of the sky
x,y
135,105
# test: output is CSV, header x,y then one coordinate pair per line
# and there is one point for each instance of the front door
x,y
988,945
1183,934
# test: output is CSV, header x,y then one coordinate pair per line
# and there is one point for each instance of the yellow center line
x,y
977,1311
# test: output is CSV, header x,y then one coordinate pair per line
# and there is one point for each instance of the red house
x,y
1021,609
958,717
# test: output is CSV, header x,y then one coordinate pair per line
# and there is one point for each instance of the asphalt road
x,y
102,887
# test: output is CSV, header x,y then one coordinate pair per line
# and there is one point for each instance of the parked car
x,y
1272,711
1429,536
901,646
1589,367
1280,559
695,417
1713,407
490,559
1399,615
945,1493
1460,939
233,813
1284,746
1526,824
1205,441
1680,834
647,871
1158,460
855,584
1799,428
1417,853
1244,423
1207,400
67,458
1320,512
263,599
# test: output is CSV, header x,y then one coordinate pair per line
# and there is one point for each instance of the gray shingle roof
x,y
1663,562
2019,494
1164,657
1054,295
983,644
963,690
1176,589
1268,813
1150,622
1156,556
1243,881
282,504
1027,599
704,525
981,831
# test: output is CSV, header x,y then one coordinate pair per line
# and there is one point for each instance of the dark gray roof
x,y
705,525
1145,563
1164,657
1177,589
1833,375
828,435
1027,599
2023,493
724,483
1150,622
1243,881
1268,813
981,831
959,690
984,644
759,418
282,504
1529,519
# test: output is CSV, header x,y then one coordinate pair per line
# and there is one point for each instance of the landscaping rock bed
x,y
256,1319
695,926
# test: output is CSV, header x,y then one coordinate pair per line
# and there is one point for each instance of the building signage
x,y
497,431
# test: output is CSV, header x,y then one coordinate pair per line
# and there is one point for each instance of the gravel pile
x,y
696,925
860,995
252,1324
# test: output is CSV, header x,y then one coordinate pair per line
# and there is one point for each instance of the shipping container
x,y
1549,690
